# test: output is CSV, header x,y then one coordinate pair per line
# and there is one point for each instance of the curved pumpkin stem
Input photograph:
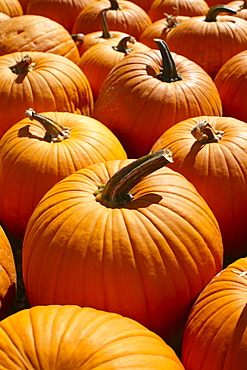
x,y
215,10
114,5
78,38
205,133
24,66
115,193
169,71
54,131
122,45
171,20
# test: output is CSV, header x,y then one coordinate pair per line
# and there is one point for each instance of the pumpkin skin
x,y
63,12
36,33
240,6
124,16
218,170
138,107
3,17
147,260
190,8
97,62
54,83
70,337
231,82
12,8
30,165
212,42
215,335
7,275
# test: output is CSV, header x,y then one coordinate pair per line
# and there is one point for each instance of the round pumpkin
x,y
42,81
211,153
216,332
122,15
213,38
12,8
70,337
123,236
36,33
231,82
148,92
39,151
8,284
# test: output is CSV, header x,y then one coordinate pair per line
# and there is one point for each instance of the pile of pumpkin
x,y
123,179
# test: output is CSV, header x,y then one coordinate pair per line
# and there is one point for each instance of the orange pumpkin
x,y
43,81
213,39
7,276
190,8
231,82
148,92
97,62
36,33
122,15
123,236
211,153
34,155
70,337
12,8
215,335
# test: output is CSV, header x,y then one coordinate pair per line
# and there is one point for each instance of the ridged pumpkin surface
x,y
12,8
216,332
147,260
51,83
69,337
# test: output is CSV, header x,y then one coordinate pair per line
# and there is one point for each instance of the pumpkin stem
x,y
215,10
54,131
244,6
105,30
24,66
122,45
114,5
168,71
78,38
205,133
171,20
116,192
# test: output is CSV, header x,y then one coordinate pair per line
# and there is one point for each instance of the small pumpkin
x,y
215,336
42,149
70,337
43,81
126,236
148,92
8,283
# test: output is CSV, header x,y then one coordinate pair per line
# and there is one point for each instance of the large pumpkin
x,y
7,276
148,92
211,153
43,81
142,246
36,33
216,331
34,155
70,337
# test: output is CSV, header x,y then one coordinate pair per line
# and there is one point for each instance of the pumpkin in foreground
x,y
216,332
70,337
125,236
42,149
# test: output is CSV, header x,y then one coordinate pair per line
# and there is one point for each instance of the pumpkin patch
x,y
123,182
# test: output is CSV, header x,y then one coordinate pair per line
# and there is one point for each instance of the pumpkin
x,y
122,15
125,236
144,4
63,12
190,8
211,153
240,6
213,39
12,8
159,29
97,37
70,337
7,275
63,143
43,81
215,335
231,83
97,62
36,33
148,92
